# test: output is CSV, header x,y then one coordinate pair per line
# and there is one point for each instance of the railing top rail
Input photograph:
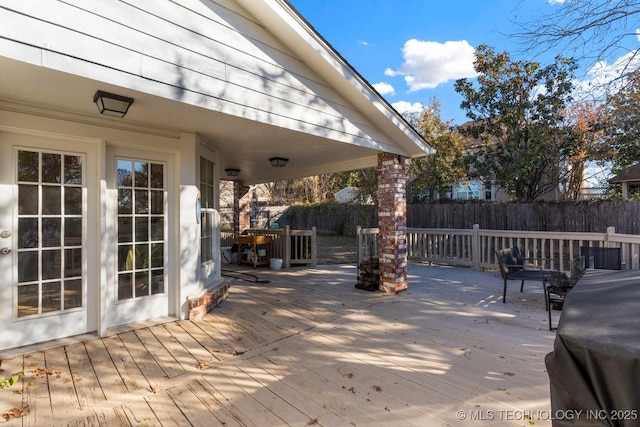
x,y
546,234
441,231
369,230
264,230
623,238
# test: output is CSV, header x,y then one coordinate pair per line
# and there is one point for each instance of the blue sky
x,y
413,50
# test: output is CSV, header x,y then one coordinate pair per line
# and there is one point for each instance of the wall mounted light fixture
x,y
278,162
232,172
112,104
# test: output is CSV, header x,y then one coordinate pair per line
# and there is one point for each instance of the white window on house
x,y
468,191
208,194
141,223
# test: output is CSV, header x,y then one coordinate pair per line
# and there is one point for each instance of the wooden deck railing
x,y
476,248
292,246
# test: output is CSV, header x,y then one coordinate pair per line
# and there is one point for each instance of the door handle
x,y
5,251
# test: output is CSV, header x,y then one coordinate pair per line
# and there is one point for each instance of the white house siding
x,y
199,52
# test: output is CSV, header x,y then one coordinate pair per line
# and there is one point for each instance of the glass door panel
x,y
141,220
50,232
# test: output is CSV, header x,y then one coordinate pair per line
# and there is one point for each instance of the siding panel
x,y
210,50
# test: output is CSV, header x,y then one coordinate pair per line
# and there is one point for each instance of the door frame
x,y
59,324
109,301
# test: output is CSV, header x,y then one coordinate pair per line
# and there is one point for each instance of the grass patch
x,y
336,249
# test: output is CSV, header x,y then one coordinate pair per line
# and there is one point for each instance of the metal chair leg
x,y
504,292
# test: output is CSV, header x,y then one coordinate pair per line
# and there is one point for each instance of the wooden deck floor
x,y
307,348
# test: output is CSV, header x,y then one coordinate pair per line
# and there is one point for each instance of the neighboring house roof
x,y
346,195
251,78
630,174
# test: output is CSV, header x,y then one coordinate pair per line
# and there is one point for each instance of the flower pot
x,y
275,263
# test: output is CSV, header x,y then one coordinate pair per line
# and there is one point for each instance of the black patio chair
x,y
559,285
512,267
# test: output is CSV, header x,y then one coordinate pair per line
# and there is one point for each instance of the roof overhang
x,y
282,20
42,82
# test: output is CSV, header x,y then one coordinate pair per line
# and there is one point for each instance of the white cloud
x,y
404,107
429,64
556,1
603,73
363,43
638,33
384,88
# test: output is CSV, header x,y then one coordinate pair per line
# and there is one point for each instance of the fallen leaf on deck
x,y
41,372
14,413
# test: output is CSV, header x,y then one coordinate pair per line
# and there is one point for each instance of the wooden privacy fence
x,y
476,247
292,246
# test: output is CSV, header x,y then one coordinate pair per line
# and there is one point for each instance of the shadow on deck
x,y
307,348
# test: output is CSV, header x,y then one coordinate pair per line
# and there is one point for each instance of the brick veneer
x,y
200,306
241,207
392,222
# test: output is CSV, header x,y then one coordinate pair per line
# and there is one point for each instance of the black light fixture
x,y
112,104
278,162
232,172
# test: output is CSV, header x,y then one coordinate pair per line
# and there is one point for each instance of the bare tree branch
x,y
598,31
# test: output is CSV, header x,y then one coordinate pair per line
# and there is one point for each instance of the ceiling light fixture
x,y
278,162
112,104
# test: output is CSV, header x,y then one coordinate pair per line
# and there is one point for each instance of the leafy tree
x,y
584,121
439,171
365,181
621,125
516,118
311,189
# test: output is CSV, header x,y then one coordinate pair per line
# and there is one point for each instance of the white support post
x,y
475,246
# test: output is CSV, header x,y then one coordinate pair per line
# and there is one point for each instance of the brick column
x,y
241,207
392,222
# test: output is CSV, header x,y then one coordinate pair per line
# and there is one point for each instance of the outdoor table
x,y
254,242
594,368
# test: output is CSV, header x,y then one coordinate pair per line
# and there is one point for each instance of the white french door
x,y
139,185
44,246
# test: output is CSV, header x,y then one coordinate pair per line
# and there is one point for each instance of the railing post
x,y
287,246
358,244
475,247
313,246
611,231
358,249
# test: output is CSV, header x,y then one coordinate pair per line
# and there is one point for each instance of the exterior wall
x,y
184,275
178,58
392,222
